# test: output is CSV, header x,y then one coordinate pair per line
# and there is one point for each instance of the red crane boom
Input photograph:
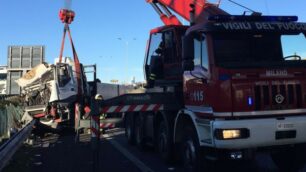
x,y
194,11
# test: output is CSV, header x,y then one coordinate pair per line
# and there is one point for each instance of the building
x,y
3,76
20,60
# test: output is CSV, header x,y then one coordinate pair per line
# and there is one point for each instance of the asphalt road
x,y
60,153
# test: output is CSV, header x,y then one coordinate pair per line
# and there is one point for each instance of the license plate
x,y
284,126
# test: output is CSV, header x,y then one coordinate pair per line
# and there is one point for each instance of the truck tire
x,y
129,129
139,135
191,154
164,142
290,159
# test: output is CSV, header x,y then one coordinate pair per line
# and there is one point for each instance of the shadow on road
x,y
59,152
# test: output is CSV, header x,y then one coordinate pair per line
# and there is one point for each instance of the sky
x,y
98,25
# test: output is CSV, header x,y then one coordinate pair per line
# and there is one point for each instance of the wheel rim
x,y
162,142
189,154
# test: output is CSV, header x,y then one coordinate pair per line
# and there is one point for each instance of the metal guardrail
x,y
3,97
8,97
8,149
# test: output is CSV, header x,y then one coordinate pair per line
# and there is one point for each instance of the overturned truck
x,y
50,91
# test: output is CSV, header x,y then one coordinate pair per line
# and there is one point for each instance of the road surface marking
x,y
127,154
115,133
171,168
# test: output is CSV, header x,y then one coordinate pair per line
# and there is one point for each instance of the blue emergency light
x,y
250,101
224,77
244,18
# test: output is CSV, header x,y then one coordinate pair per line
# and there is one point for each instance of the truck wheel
x,y
139,137
164,142
129,129
192,157
190,150
290,159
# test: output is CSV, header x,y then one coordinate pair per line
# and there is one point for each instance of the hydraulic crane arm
x,y
165,15
194,11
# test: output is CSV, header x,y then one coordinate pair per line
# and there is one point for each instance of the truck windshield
x,y
259,50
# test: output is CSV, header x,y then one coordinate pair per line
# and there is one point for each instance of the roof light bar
x,y
237,18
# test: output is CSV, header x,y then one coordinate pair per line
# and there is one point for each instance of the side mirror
x,y
188,53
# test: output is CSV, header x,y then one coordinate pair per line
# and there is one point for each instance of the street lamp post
x,y
126,56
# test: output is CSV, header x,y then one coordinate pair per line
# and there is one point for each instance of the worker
x,y
99,99
160,50
156,65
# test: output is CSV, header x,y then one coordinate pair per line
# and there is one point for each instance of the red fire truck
x,y
225,87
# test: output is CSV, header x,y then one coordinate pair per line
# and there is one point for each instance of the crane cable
x,y
63,42
77,64
267,7
75,57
